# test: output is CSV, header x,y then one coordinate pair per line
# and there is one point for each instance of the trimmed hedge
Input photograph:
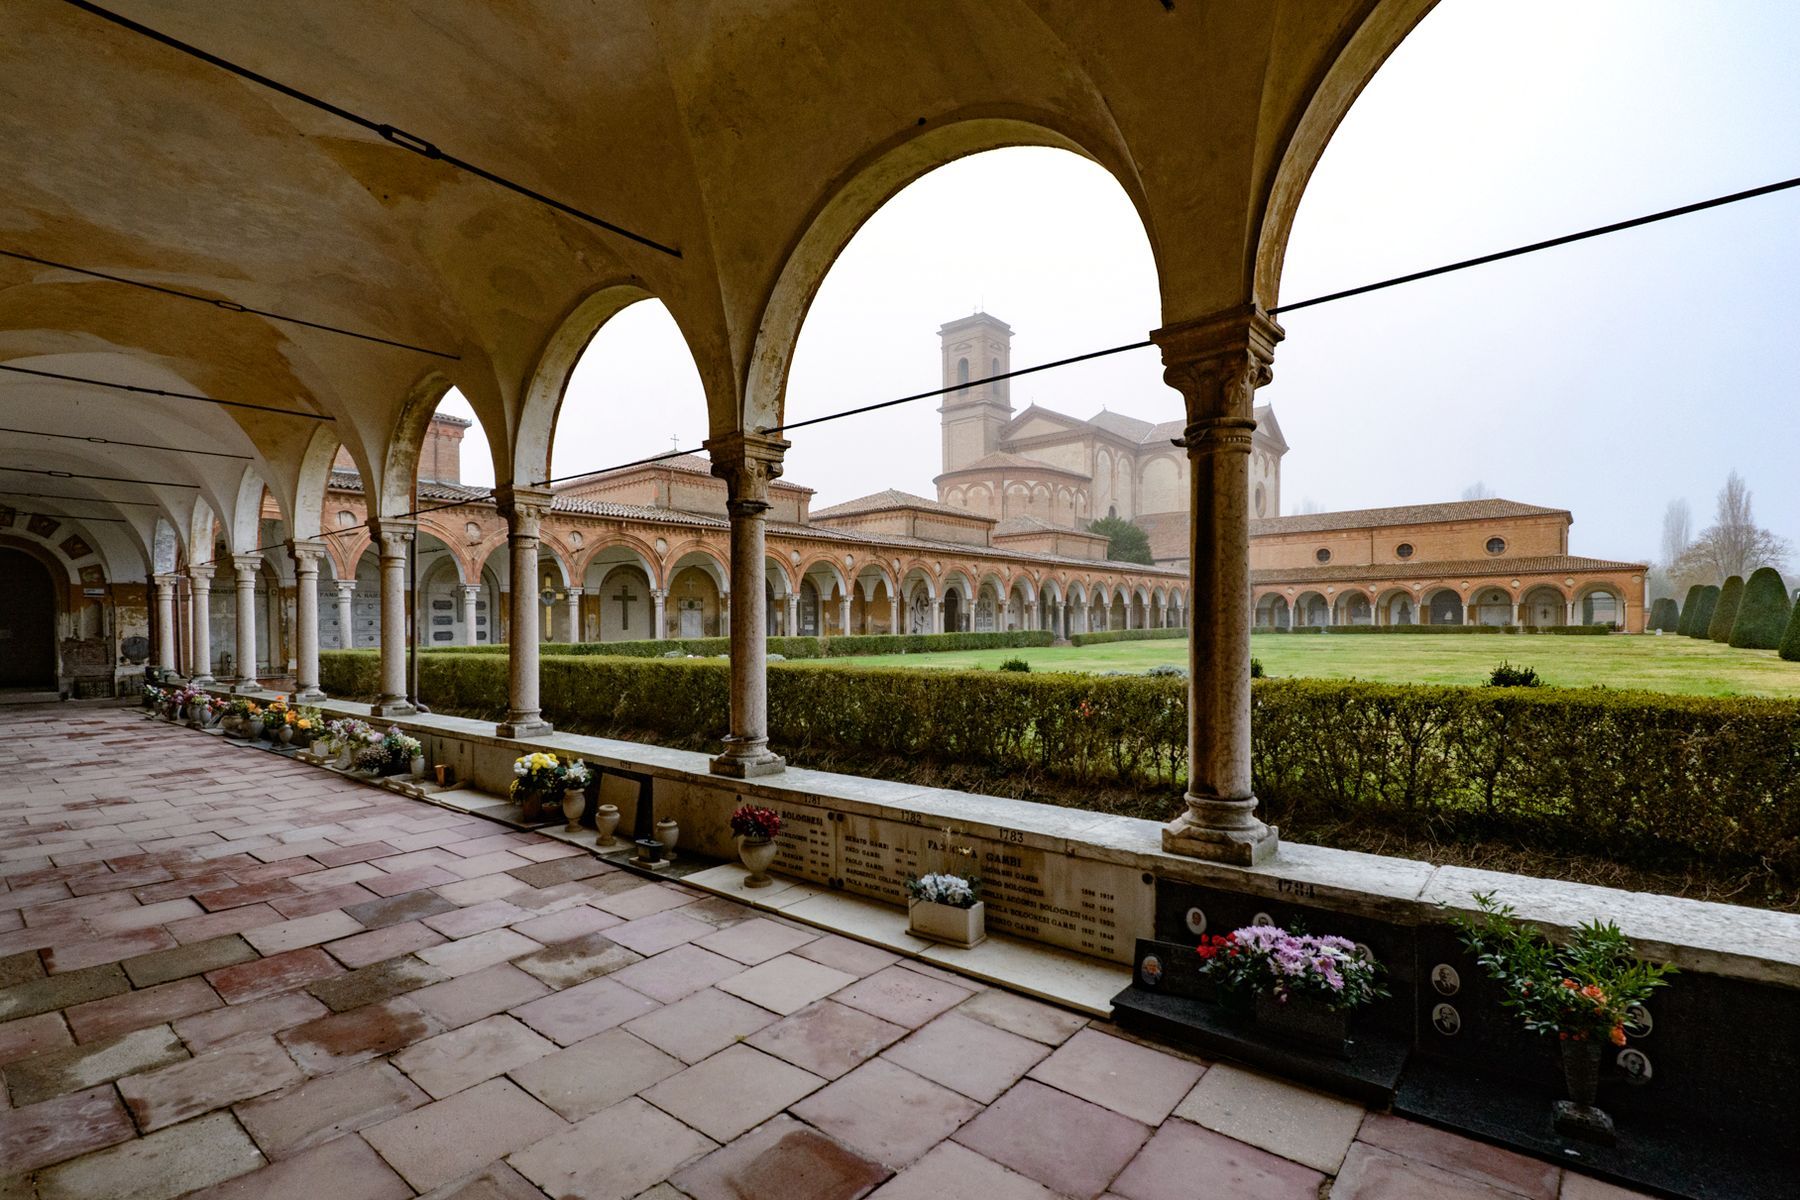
x,y
1104,636
1575,630
1762,616
1704,605
1663,614
1790,642
1690,608
1718,627
787,647
1682,782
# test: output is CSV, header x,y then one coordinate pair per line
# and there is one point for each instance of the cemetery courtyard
x,y
1667,663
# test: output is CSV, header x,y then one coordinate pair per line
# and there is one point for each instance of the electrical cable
x,y
103,478
163,392
79,437
81,499
70,517
388,133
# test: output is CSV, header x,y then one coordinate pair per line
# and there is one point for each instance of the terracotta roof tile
x,y
1405,514
1487,568
890,499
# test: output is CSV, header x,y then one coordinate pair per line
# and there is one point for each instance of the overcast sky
x,y
1605,378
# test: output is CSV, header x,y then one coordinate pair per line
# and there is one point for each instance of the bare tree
x,y
1479,490
1734,544
1678,531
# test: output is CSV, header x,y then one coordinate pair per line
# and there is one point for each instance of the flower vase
x,y
573,804
947,923
606,819
668,832
346,755
285,734
531,806
417,766
757,854
1303,1022
1577,1117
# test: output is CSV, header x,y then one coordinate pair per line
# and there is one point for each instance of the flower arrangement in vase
x,y
1300,987
347,735
756,830
274,719
153,697
1582,992
240,714
390,753
947,908
541,777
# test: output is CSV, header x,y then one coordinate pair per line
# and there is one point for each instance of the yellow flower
x,y
304,723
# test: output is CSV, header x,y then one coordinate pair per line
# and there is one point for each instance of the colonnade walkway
x,y
229,974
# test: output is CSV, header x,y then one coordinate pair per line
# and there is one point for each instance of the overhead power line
x,y
88,437
388,133
102,478
60,377
80,499
227,305
70,517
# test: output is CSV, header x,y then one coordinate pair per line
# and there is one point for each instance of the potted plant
x,y
238,714
574,783
538,777
153,697
946,908
1580,992
756,830
1298,987
347,735
405,755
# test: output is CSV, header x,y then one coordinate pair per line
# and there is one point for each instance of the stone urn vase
x,y
948,924
285,734
757,854
346,756
573,802
606,819
1577,1117
668,832
417,766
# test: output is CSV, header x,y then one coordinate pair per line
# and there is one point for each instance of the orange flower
x,y
1569,983
1592,992
1618,1035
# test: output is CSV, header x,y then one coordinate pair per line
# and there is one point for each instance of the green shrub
x,y
1256,668
1663,614
1125,635
1718,626
1690,608
1703,611
1507,675
1014,664
1452,629
1790,642
1762,616
787,647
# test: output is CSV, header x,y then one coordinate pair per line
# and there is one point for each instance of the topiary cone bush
x,y
1703,611
1790,644
1663,614
1689,607
1726,610
1762,617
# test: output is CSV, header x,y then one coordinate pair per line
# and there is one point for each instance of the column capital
x,y
201,576
391,534
345,587
471,590
306,552
748,463
166,581
575,591
1217,363
523,507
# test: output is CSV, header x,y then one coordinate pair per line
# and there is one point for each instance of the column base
x,y
309,696
1250,847
523,727
391,706
244,687
744,761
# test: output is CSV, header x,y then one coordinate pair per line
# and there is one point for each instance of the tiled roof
x,y
1002,459
351,481
1132,429
891,499
690,464
1405,514
1487,568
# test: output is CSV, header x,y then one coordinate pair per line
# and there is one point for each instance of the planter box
x,y
965,927
1304,1023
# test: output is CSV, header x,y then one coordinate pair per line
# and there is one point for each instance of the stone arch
x,y
1600,602
389,491
308,515
1542,606
616,551
33,604
1397,606
1352,606
1490,604
1311,610
1272,611
1442,606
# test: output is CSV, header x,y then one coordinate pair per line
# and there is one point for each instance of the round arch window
x,y
1496,545
1403,550
1262,500
1323,555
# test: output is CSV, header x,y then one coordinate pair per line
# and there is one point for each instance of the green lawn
x,y
1664,664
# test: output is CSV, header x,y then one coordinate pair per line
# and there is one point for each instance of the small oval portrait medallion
x,y
1446,1020
1262,918
1151,970
1196,921
1638,1022
1445,980
1636,1065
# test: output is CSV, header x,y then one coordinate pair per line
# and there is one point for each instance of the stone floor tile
x,y
595,1074
362,949
464,1057
317,1110
220,1077
968,1056
245,893
888,1112
781,1160
645,900
496,1181
62,1128
345,1169
580,1012
454,1137
1459,1155
676,973
732,1091
720,912
303,931
1029,1018
378,981
219,924
755,941
54,1072
1066,1144
308,904
617,1152
481,994
360,853
567,923
413,906
110,949
576,960
953,1170
563,870
1583,1187
407,881
145,915
662,931
1179,1154
269,976
539,852
477,918
1371,1173
268,1015
701,1025
903,997
165,1164
828,1038
100,1019
481,950
495,863
33,1035
1141,1083
787,983
345,1039
193,958
23,968
480,889
1297,1123
61,991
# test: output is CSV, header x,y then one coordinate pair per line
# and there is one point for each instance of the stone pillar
x,y
471,592
748,463
346,590
937,615
1569,609
200,618
246,566
392,537
659,612
893,613
844,616
793,614
306,555
1217,363
524,510
575,615
165,623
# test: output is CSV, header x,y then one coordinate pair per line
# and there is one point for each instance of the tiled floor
x,y
227,974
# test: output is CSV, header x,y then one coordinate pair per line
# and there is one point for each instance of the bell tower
x,y
975,415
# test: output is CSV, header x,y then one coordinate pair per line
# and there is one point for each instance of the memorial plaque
x,y
808,845
440,604
441,635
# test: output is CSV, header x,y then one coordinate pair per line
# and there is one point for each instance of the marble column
x,y
1569,610
575,615
893,613
200,602
346,591
392,537
307,555
748,463
524,510
165,623
793,614
937,615
246,566
1217,363
659,600
844,616
471,592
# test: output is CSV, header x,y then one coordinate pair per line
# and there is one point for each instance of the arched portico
x,y
1353,608
1272,611
1443,606
1311,611
1543,607
1397,606
1600,604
